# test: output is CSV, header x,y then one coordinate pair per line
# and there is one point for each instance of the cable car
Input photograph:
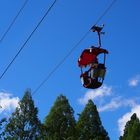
x,y
93,78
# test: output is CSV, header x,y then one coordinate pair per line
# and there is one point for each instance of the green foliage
x,y
132,129
89,126
24,123
60,122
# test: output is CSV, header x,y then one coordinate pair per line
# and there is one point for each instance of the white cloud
x,y
116,103
7,102
126,117
133,82
94,94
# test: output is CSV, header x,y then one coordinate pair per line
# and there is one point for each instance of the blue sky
x,y
65,25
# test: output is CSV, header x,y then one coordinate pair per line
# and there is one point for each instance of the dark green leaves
x,y
89,126
24,123
132,129
60,122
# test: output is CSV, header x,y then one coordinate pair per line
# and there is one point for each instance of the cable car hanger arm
x,y
98,29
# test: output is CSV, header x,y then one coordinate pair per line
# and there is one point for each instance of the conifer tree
x,y
60,122
24,123
132,129
89,126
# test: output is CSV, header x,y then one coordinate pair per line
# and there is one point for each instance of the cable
x,y
60,63
29,37
105,12
13,21
26,43
71,51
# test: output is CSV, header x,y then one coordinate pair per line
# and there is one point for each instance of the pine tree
x,y
24,123
132,129
89,126
60,122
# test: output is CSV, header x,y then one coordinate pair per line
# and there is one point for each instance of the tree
x,y
3,122
132,129
24,123
60,122
89,126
